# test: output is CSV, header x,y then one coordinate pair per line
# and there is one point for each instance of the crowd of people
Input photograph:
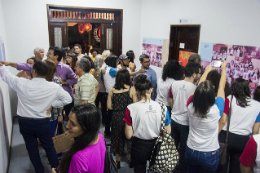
x,y
73,85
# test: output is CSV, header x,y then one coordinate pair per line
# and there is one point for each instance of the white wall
x,y
27,23
5,111
27,27
222,21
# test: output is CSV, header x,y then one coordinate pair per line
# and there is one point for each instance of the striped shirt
x,y
85,89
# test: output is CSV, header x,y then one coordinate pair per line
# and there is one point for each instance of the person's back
x,y
163,90
35,92
243,118
203,131
146,119
181,91
91,159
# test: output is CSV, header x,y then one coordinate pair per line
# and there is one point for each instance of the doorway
x,y
183,38
86,38
97,27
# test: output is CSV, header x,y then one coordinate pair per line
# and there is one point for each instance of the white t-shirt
x,y
181,91
243,119
109,79
80,56
163,88
236,74
146,119
203,135
255,78
251,72
246,75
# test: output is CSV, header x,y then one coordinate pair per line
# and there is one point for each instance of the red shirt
x,y
248,156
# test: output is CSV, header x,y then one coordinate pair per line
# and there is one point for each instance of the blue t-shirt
x,y
168,118
220,104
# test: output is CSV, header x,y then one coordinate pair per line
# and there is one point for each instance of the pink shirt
x,y
91,159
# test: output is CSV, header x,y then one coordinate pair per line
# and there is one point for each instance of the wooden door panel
x,y
108,41
189,35
58,34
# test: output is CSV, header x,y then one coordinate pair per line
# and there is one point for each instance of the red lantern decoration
x,y
88,27
81,28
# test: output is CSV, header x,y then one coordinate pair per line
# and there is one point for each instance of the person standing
x,y
94,53
151,75
78,50
179,93
34,98
172,71
124,64
109,81
131,56
119,97
39,53
143,123
63,72
27,74
102,96
204,112
87,87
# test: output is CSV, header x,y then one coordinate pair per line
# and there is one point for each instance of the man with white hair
x,y
87,87
39,53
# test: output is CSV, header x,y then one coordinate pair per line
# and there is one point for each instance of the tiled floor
x,y
20,162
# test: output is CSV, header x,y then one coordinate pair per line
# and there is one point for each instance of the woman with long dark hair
x,y
71,60
109,81
131,56
172,71
143,123
87,154
245,120
119,97
204,110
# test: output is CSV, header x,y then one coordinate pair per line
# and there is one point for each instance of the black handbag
x,y
110,164
223,146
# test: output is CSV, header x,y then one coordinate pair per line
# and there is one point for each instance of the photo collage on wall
x,y
242,62
153,48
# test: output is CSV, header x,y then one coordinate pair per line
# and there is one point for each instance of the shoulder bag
x,y
164,156
223,146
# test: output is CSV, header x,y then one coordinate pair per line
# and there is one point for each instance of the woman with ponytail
x,y
88,152
143,123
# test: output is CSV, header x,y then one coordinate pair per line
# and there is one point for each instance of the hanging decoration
x,y
97,34
82,27
88,27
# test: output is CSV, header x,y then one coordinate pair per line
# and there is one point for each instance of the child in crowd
x,y
246,74
236,72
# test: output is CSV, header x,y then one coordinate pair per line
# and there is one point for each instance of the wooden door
x,y
108,38
183,38
58,34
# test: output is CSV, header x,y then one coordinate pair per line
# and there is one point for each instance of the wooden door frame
x,y
182,26
118,19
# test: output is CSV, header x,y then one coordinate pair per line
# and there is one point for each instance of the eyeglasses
x,y
146,62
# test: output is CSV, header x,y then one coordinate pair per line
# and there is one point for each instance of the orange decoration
x,y
81,28
184,56
88,27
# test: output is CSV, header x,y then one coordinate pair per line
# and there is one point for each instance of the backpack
x,y
164,156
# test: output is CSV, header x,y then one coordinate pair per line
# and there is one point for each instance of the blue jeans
x,y
201,162
31,129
